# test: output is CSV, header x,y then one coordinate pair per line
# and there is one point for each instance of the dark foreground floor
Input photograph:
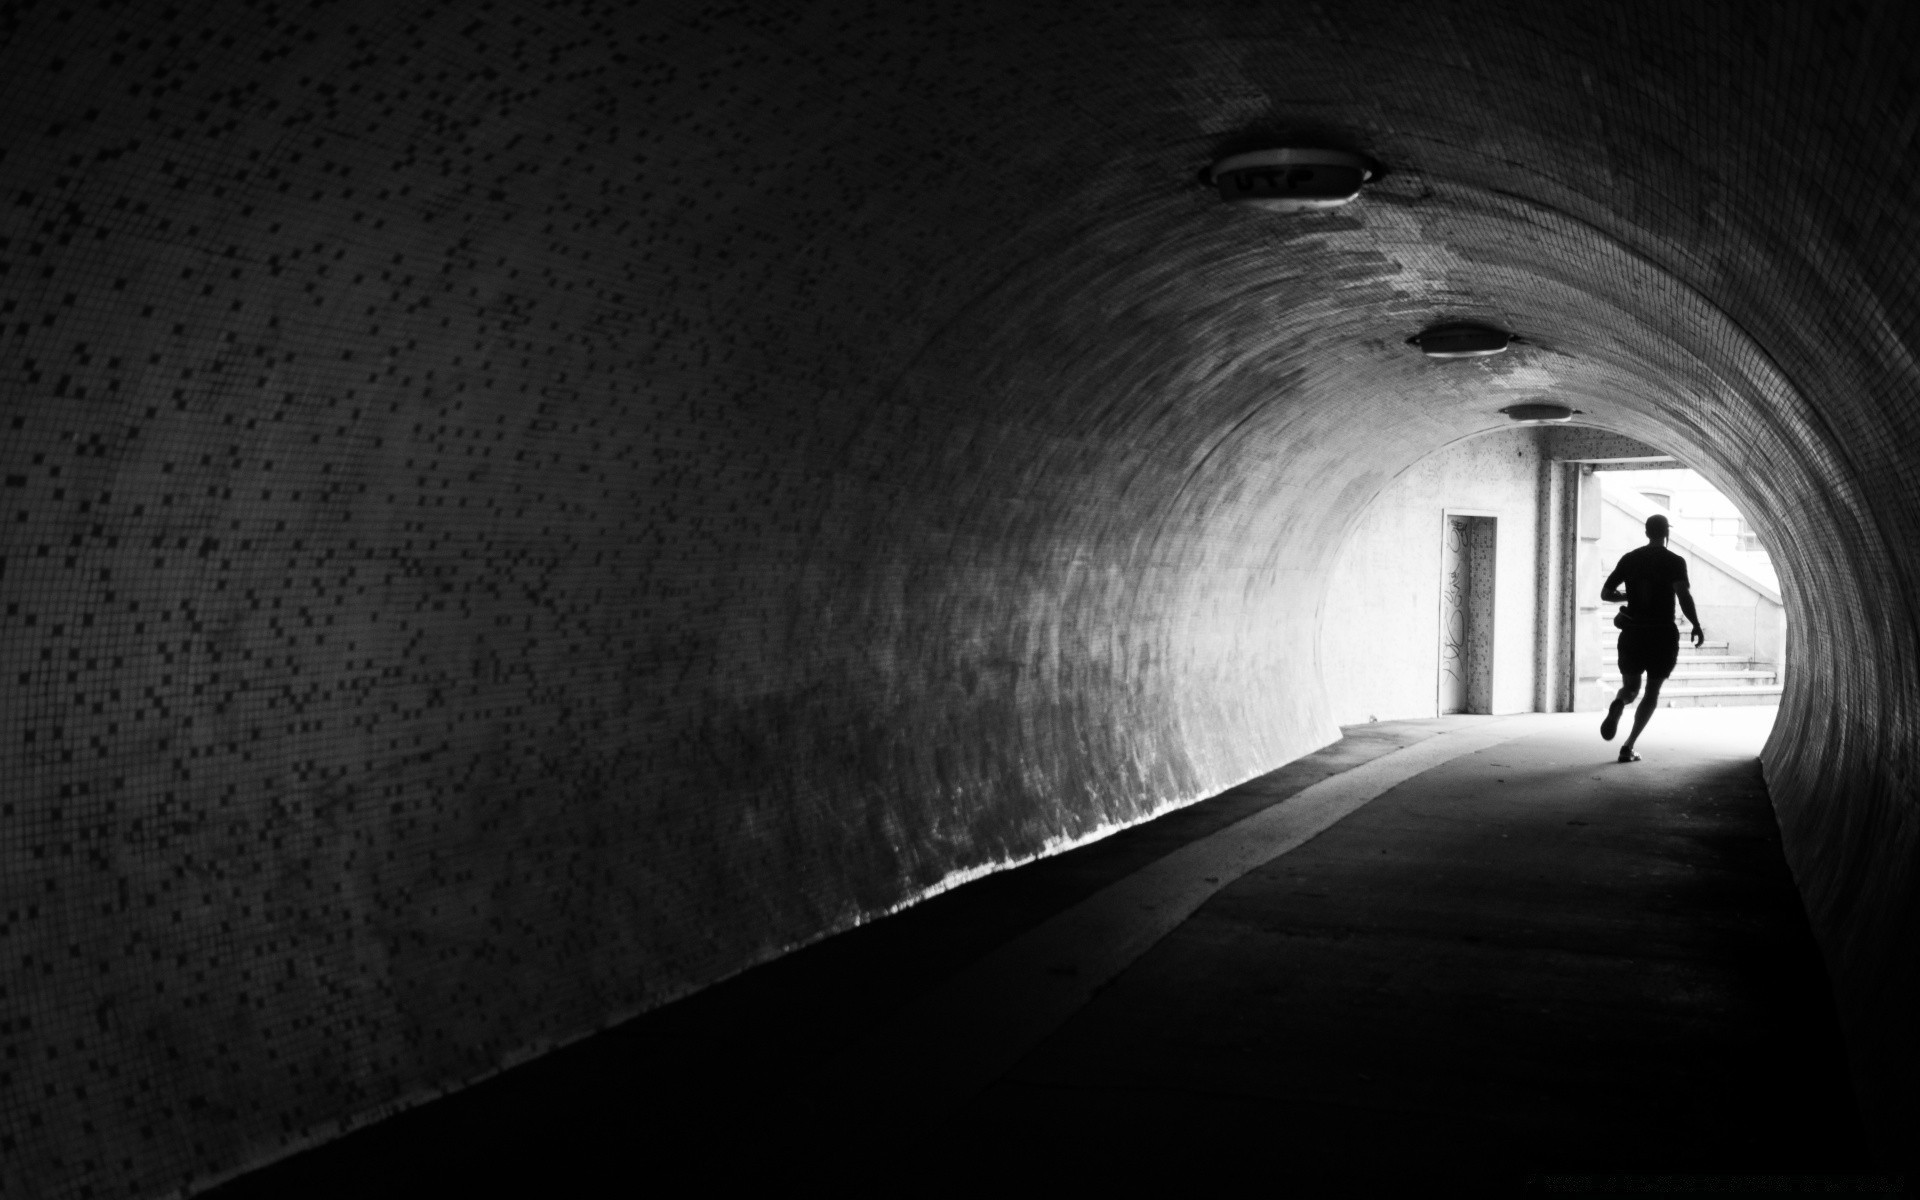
x,y
1524,966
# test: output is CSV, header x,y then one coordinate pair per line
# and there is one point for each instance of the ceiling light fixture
x,y
1539,410
1294,180
1461,340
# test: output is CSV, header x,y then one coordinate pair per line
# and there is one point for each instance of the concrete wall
x,y
512,514
1583,443
1379,636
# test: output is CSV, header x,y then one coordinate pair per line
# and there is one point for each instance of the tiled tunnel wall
x,y
516,511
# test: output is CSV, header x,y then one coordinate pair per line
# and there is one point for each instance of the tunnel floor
x,y
1523,966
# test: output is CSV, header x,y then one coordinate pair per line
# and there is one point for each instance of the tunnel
x,y
518,512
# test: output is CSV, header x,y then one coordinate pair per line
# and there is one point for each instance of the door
x,y
1466,615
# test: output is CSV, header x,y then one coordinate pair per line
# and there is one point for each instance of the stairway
x,y
1707,676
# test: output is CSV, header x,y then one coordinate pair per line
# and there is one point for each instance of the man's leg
x,y
1630,687
1642,715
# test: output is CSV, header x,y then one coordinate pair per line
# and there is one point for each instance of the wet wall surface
x,y
513,516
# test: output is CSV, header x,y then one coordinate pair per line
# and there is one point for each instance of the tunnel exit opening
x,y
1734,584
1471,582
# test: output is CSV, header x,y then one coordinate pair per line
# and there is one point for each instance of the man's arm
x,y
1610,590
1684,594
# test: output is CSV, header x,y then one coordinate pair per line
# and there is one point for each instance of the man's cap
x,y
1657,525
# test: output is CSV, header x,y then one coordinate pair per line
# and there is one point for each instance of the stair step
x,y
1721,677
1611,637
1719,697
1727,662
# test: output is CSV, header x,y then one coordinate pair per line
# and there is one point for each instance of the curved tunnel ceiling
x,y
627,494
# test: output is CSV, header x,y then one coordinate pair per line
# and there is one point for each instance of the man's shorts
x,y
1651,652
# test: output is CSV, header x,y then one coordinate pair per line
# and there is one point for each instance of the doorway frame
x,y
1447,514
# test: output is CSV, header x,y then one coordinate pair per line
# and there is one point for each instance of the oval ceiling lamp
x,y
1461,340
1539,410
1290,180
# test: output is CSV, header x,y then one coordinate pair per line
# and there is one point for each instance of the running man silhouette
x,y
1652,577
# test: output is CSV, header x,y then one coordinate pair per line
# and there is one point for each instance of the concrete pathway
x,y
1522,963
1466,952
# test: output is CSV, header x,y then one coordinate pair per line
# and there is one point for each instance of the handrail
x,y
1640,510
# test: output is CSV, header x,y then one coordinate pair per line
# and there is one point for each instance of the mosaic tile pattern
x,y
516,511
